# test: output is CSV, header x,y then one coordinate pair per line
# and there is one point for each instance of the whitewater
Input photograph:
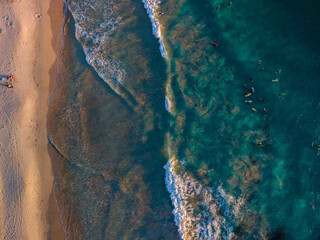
x,y
94,36
208,223
151,7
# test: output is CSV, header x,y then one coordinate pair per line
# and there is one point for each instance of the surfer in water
x,y
229,4
214,44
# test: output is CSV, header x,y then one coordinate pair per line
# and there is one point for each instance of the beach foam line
x,y
151,7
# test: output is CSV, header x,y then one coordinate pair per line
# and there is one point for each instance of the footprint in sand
x,y
10,24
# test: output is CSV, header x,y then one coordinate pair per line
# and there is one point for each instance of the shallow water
x,y
115,135
106,155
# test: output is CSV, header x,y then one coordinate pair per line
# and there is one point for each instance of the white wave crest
x,y
200,212
168,104
95,21
151,7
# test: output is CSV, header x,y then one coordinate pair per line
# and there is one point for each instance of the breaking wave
x,y
200,212
168,104
151,7
94,34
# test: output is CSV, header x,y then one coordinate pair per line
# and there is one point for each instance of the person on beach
x,y
254,110
261,70
217,7
229,4
247,95
252,90
259,144
259,62
278,71
248,101
9,84
275,80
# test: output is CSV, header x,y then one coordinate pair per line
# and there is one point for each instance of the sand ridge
x,y
25,169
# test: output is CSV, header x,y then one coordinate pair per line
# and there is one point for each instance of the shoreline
x,y
57,18
26,181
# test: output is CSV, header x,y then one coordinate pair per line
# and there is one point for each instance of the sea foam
x,y
95,21
151,7
200,212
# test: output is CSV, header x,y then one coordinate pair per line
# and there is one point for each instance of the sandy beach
x,y
28,52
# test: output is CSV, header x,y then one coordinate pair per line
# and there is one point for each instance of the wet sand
x,y
27,52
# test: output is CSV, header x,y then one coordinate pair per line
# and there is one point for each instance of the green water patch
x,y
216,135
206,90
284,35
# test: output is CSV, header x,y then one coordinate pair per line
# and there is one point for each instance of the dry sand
x,y
26,180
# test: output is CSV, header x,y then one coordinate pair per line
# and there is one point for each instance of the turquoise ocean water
x,y
152,138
